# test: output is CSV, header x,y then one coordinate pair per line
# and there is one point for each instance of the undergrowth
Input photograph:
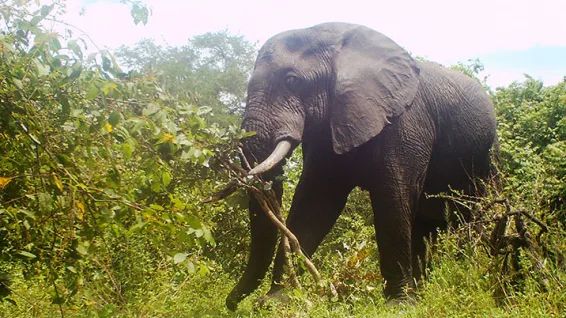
x,y
463,280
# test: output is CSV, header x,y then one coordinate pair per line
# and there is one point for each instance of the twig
x,y
294,242
271,207
243,157
230,188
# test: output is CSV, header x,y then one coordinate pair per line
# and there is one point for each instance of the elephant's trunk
x,y
277,131
263,240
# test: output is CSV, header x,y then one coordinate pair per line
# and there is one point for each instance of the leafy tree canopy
x,y
212,69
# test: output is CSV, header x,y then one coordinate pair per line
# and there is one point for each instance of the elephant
x,y
367,115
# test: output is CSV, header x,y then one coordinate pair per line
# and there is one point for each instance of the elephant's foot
x,y
407,299
400,294
276,295
233,300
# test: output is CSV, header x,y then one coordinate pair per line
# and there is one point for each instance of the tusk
x,y
281,150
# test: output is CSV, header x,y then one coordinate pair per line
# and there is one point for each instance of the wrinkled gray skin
x,y
367,115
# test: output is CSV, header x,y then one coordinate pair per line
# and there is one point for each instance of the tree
x,y
532,131
101,174
212,69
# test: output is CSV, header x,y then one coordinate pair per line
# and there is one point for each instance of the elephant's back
x,y
444,87
459,107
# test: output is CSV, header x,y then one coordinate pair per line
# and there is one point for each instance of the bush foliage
x,y
106,159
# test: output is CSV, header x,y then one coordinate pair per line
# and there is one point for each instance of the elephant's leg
x,y
425,231
399,181
445,174
262,248
393,231
317,203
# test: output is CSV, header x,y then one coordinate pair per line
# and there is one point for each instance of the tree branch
x,y
272,209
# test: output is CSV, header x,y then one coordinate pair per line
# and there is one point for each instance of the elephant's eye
x,y
293,83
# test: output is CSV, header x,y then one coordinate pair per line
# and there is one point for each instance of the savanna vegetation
x,y
106,159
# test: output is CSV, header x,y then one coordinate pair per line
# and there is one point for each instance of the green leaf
x,y
82,248
128,150
63,159
57,183
57,300
193,222
55,45
180,257
191,267
114,118
139,13
177,203
246,134
151,109
75,71
155,187
106,63
156,207
109,87
203,110
27,254
18,83
27,213
45,201
65,107
136,124
166,178
203,270
198,232
46,9
207,235
91,92
74,46
42,69
136,227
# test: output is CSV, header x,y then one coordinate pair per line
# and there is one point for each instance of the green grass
x,y
462,282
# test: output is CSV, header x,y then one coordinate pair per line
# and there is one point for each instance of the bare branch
x,y
272,209
294,242
230,188
244,159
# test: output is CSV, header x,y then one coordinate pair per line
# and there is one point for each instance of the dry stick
x,y
294,242
276,208
230,188
244,159
284,239
500,242
270,206
288,264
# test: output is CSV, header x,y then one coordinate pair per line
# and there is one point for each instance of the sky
x,y
510,37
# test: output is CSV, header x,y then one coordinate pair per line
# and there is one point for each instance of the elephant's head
x,y
346,79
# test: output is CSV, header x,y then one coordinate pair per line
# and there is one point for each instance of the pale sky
x,y
511,37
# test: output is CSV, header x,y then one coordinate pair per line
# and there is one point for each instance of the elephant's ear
x,y
376,80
